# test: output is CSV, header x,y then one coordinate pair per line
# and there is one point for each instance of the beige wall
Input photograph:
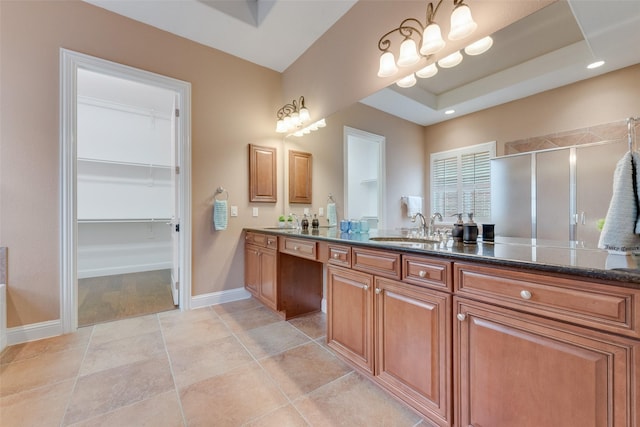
x,y
607,98
233,104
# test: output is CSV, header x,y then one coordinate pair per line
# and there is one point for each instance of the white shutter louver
x,y
461,181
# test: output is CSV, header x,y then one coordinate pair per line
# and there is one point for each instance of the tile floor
x,y
234,364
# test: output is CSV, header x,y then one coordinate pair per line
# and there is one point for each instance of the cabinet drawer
x,y
606,307
425,271
299,247
262,240
379,263
339,255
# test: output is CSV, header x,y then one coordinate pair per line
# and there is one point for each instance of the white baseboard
x,y
215,298
34,331
52,328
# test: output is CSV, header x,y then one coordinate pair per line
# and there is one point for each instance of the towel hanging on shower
x,y
620,226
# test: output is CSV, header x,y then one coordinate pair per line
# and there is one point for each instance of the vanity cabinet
x,y
261,268
516,369
399,333
469,343
350,315
413,346
533,349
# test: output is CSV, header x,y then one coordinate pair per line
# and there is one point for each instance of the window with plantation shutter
x,y
461,181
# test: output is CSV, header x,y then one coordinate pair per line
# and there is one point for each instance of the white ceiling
x,y
271,33
547,49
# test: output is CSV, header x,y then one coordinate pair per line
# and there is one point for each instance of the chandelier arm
x,y
286,110
431,11
404,30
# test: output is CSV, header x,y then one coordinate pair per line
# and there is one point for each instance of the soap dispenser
x,y
305,222
470,231
458,229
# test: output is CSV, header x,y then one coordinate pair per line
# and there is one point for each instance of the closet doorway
x,y
364,171
127,191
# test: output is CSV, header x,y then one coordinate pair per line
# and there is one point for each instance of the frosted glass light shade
x,y
295,120
321,123
304,115
408,53
462,24
288,123
280,126
432,41
408,81
387,65
479,47
428,71
451,61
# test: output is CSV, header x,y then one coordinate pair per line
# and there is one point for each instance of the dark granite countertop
x,y
567,258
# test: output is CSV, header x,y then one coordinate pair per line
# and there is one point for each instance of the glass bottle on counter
x,y
305,222
315,223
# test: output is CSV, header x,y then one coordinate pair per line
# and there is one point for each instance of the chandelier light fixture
x,y
294,119
429,37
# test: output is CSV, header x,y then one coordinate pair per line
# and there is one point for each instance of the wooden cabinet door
x,y
513,369
413,346
300,177
262,174
350,315
269,278
252,269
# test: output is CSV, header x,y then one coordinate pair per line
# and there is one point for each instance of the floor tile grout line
x,y
173,377
273,380
77,378
96,416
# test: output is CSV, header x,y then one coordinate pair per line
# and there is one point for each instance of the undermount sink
x,y
403,240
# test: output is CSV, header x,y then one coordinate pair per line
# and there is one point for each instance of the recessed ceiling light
x,y
450,112
595,65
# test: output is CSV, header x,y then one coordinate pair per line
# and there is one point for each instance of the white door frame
x,y
381,143
70,62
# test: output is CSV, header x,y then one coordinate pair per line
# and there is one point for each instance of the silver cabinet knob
x,y
295,248
525,294
422,273
461,316
336,256
365,287
378,290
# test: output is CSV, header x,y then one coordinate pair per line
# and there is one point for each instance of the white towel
x,y
220,214
332,215
414,205
618,233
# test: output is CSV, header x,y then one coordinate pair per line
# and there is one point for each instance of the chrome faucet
x,y
433,221
423,222
297,220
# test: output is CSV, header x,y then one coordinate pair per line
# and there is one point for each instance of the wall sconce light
x,y
292,116
429,38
